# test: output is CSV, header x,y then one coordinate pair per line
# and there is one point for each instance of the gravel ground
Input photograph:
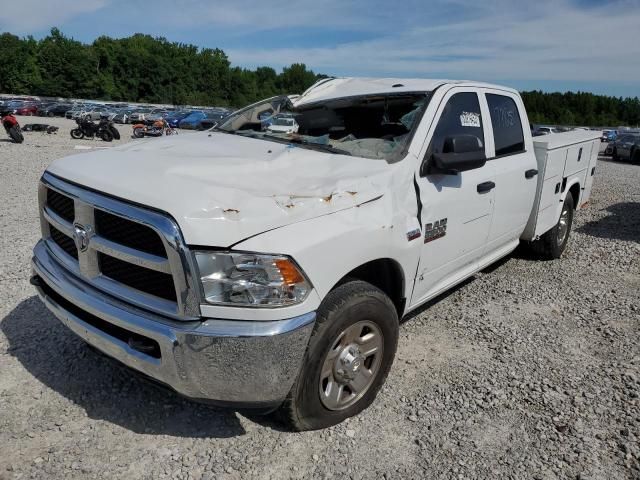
x,y
530,370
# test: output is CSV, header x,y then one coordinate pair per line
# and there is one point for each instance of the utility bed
x,y
564,159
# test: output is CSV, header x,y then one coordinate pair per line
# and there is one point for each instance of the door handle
x,y
485,187
530,173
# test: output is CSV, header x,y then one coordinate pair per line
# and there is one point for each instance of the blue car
x,y
192,120
173,119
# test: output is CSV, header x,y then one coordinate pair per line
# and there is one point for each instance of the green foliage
x,y
142,68
581,109
139,68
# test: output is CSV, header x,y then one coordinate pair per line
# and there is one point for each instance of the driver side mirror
x,y
459,153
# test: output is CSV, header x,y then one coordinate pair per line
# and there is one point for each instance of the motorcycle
x,y
104,130
11,125
155,129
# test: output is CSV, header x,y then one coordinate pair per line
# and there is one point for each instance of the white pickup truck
x,y
267,270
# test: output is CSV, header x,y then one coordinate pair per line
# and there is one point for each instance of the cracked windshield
x,y
375,126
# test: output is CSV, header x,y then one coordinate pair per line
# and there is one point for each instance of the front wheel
x,y
16,134
77,133
138,132
552,244
348,358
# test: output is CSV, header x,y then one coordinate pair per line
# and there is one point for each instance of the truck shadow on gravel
x,y
622,223
102,387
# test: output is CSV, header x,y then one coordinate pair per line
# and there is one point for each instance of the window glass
x,y
461,116
507,128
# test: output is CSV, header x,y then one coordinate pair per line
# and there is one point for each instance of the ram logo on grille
x,y
81,237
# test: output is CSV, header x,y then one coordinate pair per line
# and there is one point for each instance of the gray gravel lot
x,y
530,370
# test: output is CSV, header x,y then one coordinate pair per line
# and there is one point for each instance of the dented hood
x,y
223,188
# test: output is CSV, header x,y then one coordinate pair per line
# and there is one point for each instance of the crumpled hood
x,y
223,188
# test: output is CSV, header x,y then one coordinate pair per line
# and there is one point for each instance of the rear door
x,y
515,168
456,209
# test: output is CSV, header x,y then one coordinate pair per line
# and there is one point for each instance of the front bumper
x,y
249,364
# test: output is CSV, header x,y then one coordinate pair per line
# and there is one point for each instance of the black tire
x,y
614,155
634,156
51,114
16,134
347,306
114,132
138,132
552,244
106,135
77,133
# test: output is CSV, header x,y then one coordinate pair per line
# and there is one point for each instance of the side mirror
x,y
459,153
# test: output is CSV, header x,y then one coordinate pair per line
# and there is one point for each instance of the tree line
x,y
142,68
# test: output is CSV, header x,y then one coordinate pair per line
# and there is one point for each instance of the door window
x,y
505,121
461,116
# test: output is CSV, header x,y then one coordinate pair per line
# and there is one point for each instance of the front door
x,y
456,208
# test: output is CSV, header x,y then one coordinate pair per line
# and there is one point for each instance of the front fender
x,y
329,247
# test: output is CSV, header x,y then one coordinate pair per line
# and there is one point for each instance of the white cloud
x,y
27,16
493,40
551,40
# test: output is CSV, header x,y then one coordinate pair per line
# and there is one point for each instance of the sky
x,y
552,45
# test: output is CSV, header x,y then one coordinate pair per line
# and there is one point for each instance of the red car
x,y
27,110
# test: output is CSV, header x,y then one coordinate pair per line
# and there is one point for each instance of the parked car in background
x,y
28,110
192,120
212,119
14,105
54,110
173,119
139,115
283,124
627,148
94,113
608,136
122,116
544,131
75,110
159,114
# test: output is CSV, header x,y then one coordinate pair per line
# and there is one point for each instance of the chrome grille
x,y
130,252
61,204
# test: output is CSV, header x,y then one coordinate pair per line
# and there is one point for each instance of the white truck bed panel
x,y
563,159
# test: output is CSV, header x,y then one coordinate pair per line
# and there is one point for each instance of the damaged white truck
x,y
257,269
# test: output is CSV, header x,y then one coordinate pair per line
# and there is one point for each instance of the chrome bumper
x,y
228,362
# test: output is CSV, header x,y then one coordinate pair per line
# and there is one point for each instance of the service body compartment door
x,y
550,193
563,160
591,171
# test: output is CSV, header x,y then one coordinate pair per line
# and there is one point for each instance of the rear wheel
x,y
106,135
138,132
77,133
115,132
614,155
16,134
349,356
552,244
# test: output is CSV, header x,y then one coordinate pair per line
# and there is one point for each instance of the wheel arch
x,y
384,273
574,190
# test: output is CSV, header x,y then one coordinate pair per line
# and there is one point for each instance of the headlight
x,y
251,279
